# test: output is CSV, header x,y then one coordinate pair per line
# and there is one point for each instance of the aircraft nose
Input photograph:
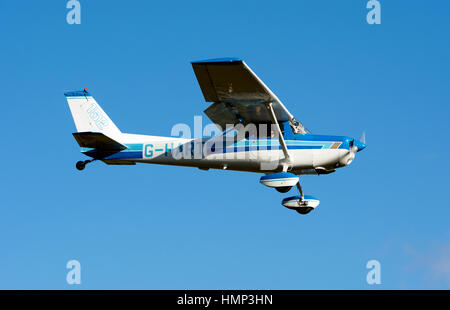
x,y
360,145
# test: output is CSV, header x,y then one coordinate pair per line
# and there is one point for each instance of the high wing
x,y
238,95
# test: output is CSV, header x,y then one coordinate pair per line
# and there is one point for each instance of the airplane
x,y
260,135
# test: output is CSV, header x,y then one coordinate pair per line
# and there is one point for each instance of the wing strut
x,y
287,158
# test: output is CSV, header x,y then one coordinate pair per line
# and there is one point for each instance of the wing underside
x,y
238,95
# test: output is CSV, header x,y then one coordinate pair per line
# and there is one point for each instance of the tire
x,y
304,210
80,165
283,189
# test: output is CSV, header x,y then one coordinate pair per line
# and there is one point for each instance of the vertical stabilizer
x,y
89,116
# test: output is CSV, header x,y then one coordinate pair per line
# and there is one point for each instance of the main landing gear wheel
x,y
283,189
82,164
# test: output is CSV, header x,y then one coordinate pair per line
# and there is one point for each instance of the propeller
x,y
361,144
363,137
354,147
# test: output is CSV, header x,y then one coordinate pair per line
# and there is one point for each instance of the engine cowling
x,y
280,179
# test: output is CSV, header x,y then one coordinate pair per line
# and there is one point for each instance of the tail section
x,y
97,145
99,141
89,116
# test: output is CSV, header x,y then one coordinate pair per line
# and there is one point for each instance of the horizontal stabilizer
x,y
98,141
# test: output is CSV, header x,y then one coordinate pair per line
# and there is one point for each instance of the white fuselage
x,y
246,155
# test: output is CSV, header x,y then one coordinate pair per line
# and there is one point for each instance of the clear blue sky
x,y
159,227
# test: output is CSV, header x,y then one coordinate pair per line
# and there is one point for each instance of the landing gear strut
x,y
304,209
82,164
300,190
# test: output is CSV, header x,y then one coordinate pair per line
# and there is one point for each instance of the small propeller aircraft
x,y
261,135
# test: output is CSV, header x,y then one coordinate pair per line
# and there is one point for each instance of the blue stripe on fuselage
x,y
300,142
126,155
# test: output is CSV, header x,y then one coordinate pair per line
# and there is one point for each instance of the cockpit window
x,y
297,127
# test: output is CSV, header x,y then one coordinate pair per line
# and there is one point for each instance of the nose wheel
x,y
302,204
82,164
304,210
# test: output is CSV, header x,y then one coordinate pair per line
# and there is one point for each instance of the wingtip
x,y
217,60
